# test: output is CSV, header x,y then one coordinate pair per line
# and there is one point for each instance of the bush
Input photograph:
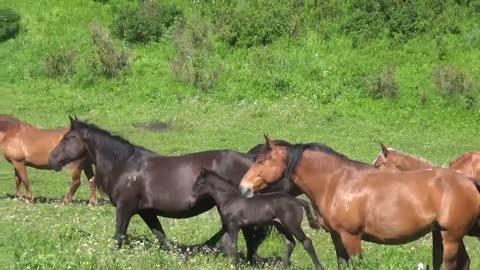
x,y
455,82
382,85
111,60
260,22
146,22
9,24
61,63
195,61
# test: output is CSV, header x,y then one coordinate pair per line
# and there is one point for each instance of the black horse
x,y
283,211
139,181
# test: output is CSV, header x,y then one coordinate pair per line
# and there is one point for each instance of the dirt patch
x,y
155,126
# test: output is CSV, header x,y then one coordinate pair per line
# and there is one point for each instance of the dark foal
x,y
283,211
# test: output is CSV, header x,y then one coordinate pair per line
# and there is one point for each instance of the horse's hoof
x,y
92,204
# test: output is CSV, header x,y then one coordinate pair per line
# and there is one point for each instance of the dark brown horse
x,y
468,163
25,145
358,202
139,181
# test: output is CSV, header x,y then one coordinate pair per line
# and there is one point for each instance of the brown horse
x,y
468,163
25,145
358,202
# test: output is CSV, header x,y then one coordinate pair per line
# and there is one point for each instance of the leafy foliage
x,y
383,84
456,82
61,63
146,22
9,24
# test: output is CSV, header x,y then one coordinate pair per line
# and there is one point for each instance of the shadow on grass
x,y
50,200
187,251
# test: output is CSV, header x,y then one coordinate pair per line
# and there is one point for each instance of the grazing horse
x,y
468,163
139,181
25,145
358,202
284,211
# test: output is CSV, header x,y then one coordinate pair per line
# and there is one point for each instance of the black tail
x,y
313,220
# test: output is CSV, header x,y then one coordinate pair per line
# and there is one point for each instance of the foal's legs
x,y
437,250
232,244
289,242
21,171
154,224
123,216
297,231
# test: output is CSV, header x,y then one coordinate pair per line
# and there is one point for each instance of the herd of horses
x,y
395,200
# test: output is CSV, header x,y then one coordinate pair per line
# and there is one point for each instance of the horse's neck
x,y
319,173
223,198
104,155
411,163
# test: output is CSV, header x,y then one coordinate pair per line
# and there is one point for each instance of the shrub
x,y
455,82
61,63
112,60
195,61
9,24
260,22
382,85
146,22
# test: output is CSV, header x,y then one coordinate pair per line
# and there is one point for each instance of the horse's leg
x,y
76,173
455,256
88,170
289,243
232,245
18,185
353,245
437,250
254,236
296,230
154,224
123,216
22,173
341,251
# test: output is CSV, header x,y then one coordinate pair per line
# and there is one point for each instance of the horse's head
x,y
200,188
71,147
268,168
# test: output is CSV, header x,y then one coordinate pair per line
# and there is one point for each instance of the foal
x,y
282,210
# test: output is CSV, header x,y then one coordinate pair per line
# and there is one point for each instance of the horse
x,y
26,145
468,163
284,211
359,202
139,181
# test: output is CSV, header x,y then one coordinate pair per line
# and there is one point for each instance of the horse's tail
x,y
313,220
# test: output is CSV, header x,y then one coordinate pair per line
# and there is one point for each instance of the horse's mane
x,y
7,122
295,152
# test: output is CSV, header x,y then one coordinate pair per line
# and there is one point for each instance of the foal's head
x,y
71,147
200,188
395,160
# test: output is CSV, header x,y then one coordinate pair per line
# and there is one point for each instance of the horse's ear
x,y
268,141
203,171
71,119
75,117
384,150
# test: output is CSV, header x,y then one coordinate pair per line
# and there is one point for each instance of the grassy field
x,y
304,89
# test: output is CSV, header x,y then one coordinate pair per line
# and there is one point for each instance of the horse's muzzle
x,y
246,191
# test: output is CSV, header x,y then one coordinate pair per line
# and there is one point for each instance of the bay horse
x,y
139,181
359,202
25,145
284,211
468,163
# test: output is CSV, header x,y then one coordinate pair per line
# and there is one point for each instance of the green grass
x,y
308,89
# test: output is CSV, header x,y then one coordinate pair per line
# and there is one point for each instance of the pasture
x,y
321,101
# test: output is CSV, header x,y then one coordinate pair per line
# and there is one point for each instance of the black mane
x,y
295,152
118,147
